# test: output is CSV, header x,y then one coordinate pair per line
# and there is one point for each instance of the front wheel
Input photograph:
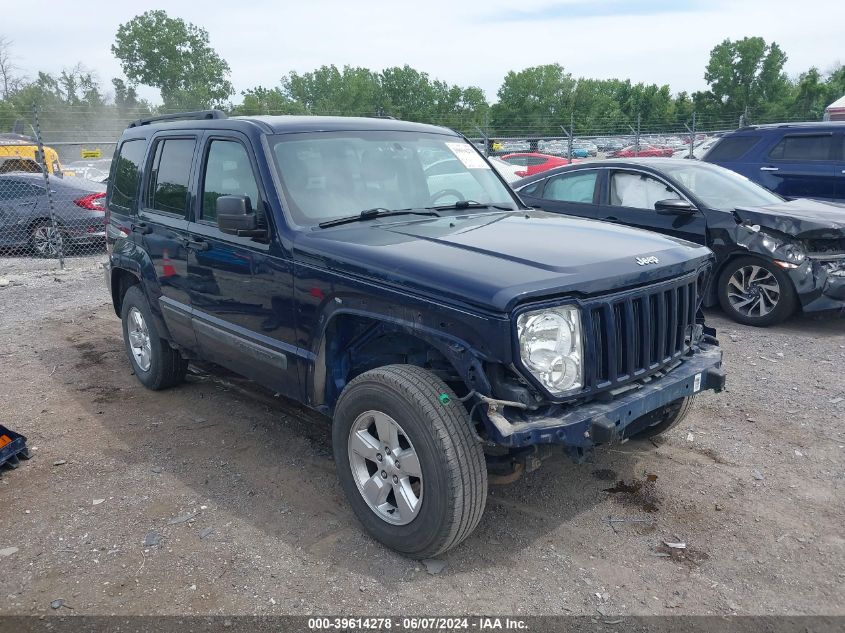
x,y
408,460
663,419
756,292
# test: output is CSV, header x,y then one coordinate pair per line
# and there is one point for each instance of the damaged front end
x,y
811,250
643,350
827,259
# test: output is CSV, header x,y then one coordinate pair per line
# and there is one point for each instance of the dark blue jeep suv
x,y
381,272
795,160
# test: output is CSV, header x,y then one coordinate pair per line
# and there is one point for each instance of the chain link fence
x,y
53,173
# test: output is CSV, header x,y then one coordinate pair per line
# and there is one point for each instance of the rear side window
x,y
804,147
577,187
171,168
127,175
534,189
732,148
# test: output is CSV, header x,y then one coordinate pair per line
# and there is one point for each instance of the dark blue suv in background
x,y
795,160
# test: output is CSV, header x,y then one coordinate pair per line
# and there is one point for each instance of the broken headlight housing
x,y
787,253
551,348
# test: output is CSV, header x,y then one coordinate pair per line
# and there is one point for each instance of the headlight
x,y
551,348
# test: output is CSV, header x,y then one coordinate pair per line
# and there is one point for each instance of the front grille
x,y
636,333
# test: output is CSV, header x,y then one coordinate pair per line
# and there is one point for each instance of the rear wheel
x,y
756,292
156,364
408,460
45,239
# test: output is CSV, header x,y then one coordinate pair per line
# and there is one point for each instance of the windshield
x,y
720,188
330,175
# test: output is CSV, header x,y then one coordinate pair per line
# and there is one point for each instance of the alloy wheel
x,y
385,467
753,291
46,240
139,339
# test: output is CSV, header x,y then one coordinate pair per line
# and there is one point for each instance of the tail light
x,y
92,202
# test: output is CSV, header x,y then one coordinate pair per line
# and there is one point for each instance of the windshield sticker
x,y
468,156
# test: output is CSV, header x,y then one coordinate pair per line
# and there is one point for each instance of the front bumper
x,y
597,422
820,284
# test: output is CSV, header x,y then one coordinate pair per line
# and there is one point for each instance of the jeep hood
x,y
800,218
496,260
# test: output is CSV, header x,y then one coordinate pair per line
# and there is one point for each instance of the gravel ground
x,y
217,498
43,289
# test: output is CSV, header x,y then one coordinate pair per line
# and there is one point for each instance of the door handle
x,y
768,169
142,227
612,218
197,245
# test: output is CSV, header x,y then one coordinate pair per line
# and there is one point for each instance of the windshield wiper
x,y
377,212
471,204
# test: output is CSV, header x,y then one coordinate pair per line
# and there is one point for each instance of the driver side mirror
x,y
674,206
235,216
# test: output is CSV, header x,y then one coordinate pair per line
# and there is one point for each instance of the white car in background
x,y
698,150
97,171
506,170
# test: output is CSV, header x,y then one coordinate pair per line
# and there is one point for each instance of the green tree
x,y
125,96
261,100
409,94
746,75
811,96
175,57
535,99
835,83
652,103
683,107
329,90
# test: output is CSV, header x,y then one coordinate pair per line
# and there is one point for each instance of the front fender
x,y
453,338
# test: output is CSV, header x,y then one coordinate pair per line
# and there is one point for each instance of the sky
x,y
465,42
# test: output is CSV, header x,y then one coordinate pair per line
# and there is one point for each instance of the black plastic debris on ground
x,y
12,448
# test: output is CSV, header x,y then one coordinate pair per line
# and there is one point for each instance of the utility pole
x,y
485,139
691,131
56,233
743,118
636,136
569,138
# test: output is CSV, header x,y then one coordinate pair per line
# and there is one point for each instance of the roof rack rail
x,y
199,115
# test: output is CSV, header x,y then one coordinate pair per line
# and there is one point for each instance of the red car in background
x,y
646,151
534,162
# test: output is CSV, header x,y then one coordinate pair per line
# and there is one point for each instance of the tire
x,y
747,285
665,418
44,240
452,486
161,366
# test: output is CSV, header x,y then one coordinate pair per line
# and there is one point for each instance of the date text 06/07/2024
x,y
416,623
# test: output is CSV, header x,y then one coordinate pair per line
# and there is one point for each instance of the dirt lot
x,y
234,491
